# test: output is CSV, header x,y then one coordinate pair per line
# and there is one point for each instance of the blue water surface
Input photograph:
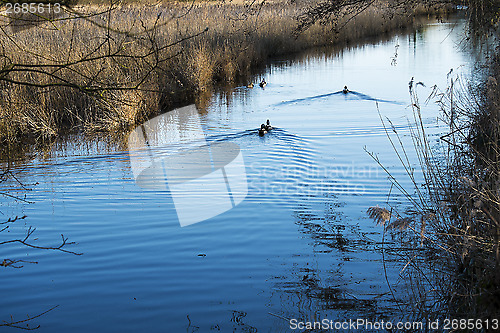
x,y
299,246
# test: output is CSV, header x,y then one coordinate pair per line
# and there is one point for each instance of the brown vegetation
x,y
451,236
107,68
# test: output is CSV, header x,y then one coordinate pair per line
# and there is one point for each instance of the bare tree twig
x,y
16,324
30,231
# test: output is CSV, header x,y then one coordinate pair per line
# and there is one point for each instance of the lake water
x,y
299,244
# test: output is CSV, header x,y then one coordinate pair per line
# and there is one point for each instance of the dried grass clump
x,y
379,215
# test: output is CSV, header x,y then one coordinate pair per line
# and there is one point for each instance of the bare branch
x,y
12,263
30,231
16,324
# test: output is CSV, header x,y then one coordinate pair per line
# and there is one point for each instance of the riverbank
x,y
474,219
451,236
110,68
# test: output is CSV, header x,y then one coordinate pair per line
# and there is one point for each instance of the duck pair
x,y
264,128
262,84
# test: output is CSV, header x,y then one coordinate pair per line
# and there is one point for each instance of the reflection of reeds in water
x,y
451,237
126,64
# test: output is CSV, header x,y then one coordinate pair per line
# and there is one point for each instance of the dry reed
x,y
110,71
451,237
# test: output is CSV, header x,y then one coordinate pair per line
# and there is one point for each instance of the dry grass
x,y
451,237
120,70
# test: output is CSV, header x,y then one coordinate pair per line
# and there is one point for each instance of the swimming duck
x,y
268,125
250,85
345,91
262,130
263,83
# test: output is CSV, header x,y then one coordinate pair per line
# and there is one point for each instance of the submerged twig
x,y
16,323
30,231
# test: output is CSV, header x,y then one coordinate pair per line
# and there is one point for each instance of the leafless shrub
x,y
455,216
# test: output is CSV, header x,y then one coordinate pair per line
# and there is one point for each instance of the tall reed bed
x,y
450,238
111,67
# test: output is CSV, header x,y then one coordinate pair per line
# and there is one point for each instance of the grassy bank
x,y
450,239
109,68
475,192
453,231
